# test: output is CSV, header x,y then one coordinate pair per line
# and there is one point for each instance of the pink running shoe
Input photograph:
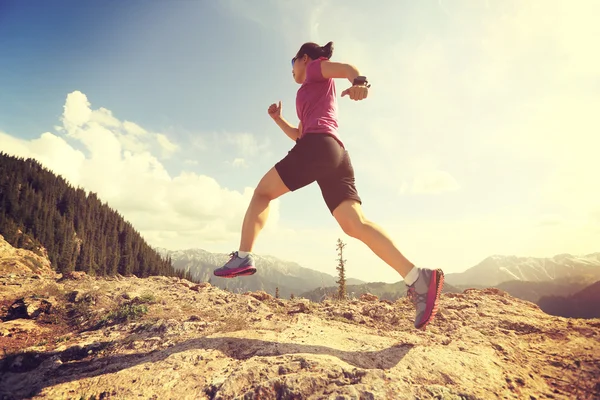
x,y
425,294
236,266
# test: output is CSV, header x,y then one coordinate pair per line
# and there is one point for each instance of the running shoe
x,y
236,266
425,294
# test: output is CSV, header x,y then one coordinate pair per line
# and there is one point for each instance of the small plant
x,y
33,262
80,314
144,326
340,318
49,290
277,309
62,339
92,397
148,298
125,312
342,270
234,323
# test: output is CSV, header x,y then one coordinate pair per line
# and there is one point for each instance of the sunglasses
x,y
294,60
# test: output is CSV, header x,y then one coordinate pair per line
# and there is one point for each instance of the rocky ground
x,y
80,337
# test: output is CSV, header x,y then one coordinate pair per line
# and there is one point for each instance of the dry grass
x,y
148,297
33,263
127,311
50,289
233,323
339,318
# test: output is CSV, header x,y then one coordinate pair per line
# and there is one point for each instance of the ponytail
x,y
315,51
327,50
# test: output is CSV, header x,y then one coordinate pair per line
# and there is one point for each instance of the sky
x,y
479,136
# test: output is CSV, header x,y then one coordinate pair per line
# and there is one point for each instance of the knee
x,y
263,195
353,227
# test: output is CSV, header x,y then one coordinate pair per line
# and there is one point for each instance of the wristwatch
x,y
361,81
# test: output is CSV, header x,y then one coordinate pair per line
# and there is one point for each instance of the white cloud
x,y
550,220
433,182
239,163
502,94
106,118
77,110
99,129
496,101
238,148
246,143
422,175
51,150
511,82
168,148
198,142
134,129
186,210
279,15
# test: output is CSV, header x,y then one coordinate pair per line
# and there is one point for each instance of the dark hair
x,y
315,51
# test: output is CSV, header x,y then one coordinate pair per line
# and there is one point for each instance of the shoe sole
x,y
439,274
249,271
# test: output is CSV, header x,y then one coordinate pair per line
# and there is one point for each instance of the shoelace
x,y
412,294
415,297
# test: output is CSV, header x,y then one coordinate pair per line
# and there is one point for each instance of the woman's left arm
x,y
357,91
331,69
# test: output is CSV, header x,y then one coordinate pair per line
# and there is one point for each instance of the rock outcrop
x,y
166,338
21,261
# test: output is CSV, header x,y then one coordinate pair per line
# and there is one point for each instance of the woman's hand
x,y
356,92
275,111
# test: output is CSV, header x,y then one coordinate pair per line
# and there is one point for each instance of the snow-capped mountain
x,y
273,272
497,269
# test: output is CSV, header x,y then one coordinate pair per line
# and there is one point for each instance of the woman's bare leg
x,y
269,188
350,216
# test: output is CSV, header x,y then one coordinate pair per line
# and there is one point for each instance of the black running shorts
x,y
320,157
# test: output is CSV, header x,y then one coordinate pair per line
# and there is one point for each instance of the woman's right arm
x,y
292,132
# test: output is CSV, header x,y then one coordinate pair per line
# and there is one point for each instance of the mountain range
x,y
78,232
497,269
527,278
288,276
383,290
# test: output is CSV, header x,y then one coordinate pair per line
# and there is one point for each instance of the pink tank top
x,y
316,102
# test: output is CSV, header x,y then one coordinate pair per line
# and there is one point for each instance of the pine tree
x,y
39,209
66,258
127,256
113,252
341,294
292,297
277,292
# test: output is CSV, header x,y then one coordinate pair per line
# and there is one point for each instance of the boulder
x,y
368,297
73,276
261,295
30,307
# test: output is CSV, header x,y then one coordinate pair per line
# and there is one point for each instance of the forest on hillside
x,y
40,211
583,304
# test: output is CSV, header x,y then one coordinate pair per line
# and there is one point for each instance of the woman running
x,y
320,155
